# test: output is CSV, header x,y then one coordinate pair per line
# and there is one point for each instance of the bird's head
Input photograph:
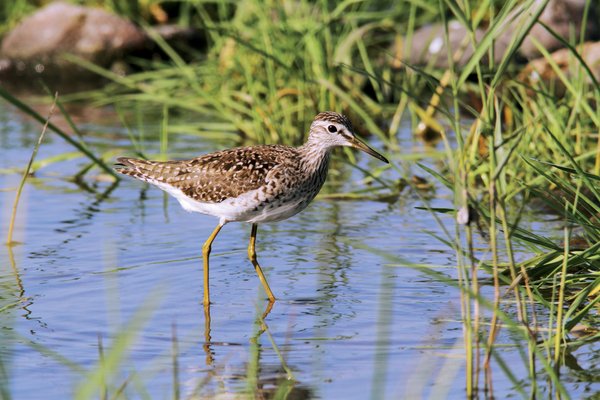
x,y
331,129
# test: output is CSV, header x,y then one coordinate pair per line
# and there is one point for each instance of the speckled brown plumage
x,y
217,176
330,116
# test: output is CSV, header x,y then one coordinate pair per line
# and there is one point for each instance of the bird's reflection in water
x,y
208,343
210,355
263,380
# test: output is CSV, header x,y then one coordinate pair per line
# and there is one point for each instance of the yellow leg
x,y
205,254
252,256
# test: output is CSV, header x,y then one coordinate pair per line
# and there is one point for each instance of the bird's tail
x,y
147,171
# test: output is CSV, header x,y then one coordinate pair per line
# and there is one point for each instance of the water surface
x,y
351,320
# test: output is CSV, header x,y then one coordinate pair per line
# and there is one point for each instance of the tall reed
x,y
493,172
270,68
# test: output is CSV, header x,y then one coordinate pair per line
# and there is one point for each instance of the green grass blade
x,y
13,216
35,115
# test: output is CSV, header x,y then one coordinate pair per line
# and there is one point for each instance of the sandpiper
x,y
250,184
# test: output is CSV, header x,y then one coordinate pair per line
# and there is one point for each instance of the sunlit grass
x,y
269,70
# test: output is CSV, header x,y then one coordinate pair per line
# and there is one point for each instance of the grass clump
x,y
271,68
527,143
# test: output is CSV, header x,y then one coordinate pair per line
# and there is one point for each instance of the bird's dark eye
x,y
332,128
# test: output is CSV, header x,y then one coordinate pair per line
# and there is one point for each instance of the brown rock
x,y
37,46
428,46
90,33
565,17
541,70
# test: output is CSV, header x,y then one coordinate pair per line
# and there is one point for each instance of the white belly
x,y
248,207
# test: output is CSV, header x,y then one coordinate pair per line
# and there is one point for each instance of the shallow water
x,y
351,320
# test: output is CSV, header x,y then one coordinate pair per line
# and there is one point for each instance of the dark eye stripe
x,y
345,135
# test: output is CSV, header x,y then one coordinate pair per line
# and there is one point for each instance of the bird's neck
x,y
314,156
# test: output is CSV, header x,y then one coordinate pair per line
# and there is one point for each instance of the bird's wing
x,y
213,177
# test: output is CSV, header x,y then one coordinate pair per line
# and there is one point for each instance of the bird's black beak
x,y
358,144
